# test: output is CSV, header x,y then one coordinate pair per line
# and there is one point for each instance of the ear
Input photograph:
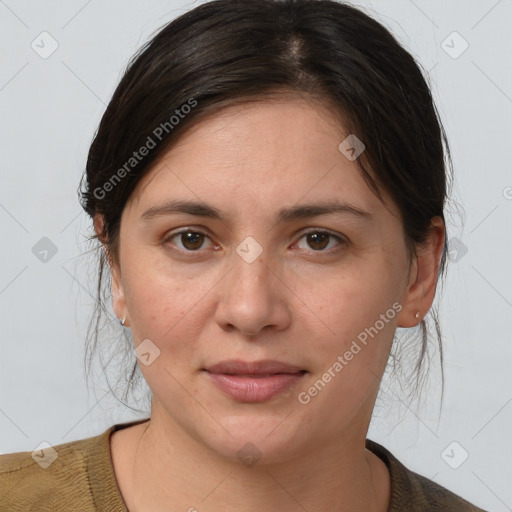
x,y
118,296
421,287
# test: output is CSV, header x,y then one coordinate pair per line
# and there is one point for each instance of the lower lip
x,y
255,389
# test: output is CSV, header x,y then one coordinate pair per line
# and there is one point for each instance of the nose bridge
x,y
250,273
251,298
249,260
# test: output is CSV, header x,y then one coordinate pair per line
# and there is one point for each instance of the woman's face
x,y
241,279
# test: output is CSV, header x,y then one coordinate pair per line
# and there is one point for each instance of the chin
x,y
251,441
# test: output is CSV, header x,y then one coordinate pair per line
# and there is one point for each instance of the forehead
x,y
281,151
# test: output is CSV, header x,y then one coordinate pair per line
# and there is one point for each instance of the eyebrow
x,y
304,211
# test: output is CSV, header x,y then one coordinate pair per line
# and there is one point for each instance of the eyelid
x,y
202,231
341,238
321,230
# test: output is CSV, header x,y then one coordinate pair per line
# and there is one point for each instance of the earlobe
x,y
422,285
118,296
118,299
409,316
99,225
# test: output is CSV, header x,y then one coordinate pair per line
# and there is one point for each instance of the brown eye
x,y
192,240
320,240
187,240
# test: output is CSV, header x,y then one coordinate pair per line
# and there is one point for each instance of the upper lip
x,y
238,367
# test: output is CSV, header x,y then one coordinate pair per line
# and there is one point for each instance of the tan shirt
x,y
82,479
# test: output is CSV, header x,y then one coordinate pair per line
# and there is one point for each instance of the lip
x,y
256,381
264,367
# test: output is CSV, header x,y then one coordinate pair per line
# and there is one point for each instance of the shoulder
x,y
54,477
414,492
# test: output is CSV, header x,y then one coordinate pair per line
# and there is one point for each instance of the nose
x,y
253,297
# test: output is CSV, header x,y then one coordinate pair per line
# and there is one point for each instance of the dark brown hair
x,y
228,51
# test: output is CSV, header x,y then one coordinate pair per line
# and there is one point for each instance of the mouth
x,y
253,382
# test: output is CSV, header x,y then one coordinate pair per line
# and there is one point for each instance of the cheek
x,y
350,349
354,316
165,305
354,299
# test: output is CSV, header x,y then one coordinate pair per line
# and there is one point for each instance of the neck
x,y
169,466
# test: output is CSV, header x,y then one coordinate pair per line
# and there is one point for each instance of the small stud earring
x,y
122,320
417,315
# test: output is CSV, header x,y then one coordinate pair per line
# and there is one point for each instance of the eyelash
x,y
340,239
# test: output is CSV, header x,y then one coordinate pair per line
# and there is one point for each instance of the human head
x,y
225,52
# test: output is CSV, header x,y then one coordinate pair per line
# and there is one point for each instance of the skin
x,y
298,302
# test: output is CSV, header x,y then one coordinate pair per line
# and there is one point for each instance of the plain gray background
x,y
50,108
